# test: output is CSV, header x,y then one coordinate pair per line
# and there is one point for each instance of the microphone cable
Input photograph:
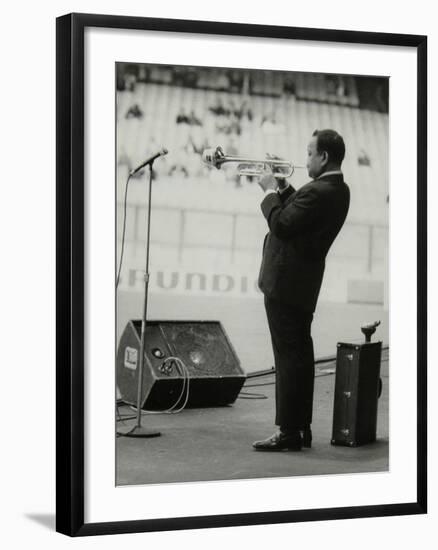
x,y
123,230
185,391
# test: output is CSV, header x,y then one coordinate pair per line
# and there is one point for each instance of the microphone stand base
x,y
139,431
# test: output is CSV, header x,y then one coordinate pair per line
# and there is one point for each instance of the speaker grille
x,y
202,347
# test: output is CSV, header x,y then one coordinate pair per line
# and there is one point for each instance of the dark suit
x,y
303,225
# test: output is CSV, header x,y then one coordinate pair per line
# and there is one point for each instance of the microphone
x,y
150,160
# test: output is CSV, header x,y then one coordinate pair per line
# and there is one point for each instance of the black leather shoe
x,y
306,434
280,442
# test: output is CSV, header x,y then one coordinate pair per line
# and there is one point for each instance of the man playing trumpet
x,y
302,227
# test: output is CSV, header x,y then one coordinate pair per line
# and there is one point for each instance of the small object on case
x,y
369,329
357,389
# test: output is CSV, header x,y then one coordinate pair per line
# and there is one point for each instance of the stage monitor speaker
x,y
215,374
357,390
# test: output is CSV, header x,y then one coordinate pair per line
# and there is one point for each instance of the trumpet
x,y
249,167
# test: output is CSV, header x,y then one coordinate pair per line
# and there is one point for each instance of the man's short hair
x,y
331,142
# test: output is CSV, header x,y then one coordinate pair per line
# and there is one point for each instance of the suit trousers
x,y
294,363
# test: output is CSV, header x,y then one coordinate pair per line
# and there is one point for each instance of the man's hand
x,y
280,183
267,180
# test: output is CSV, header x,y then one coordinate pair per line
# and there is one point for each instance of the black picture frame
x,y
70,273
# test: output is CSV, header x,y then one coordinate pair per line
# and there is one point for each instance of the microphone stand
x,y
138,430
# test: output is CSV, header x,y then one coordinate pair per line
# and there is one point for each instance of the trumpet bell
x,y
214,156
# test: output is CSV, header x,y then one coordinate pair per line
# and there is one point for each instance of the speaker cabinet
x,y
357,390
215,374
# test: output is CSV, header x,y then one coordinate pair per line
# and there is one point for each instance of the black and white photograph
x,y
241,300
251,273
219,300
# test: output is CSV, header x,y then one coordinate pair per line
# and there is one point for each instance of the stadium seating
x,y
279,123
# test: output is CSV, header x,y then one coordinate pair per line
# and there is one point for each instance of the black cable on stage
x,y
123,230
248,395
321,360
322,372
123,418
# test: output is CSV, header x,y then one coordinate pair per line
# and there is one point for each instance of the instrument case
x,y
357,389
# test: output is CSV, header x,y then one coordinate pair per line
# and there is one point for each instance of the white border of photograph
x,y
103,500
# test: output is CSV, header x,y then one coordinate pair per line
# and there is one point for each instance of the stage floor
x,y
216,443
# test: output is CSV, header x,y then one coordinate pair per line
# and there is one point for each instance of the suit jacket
x,y
302,227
